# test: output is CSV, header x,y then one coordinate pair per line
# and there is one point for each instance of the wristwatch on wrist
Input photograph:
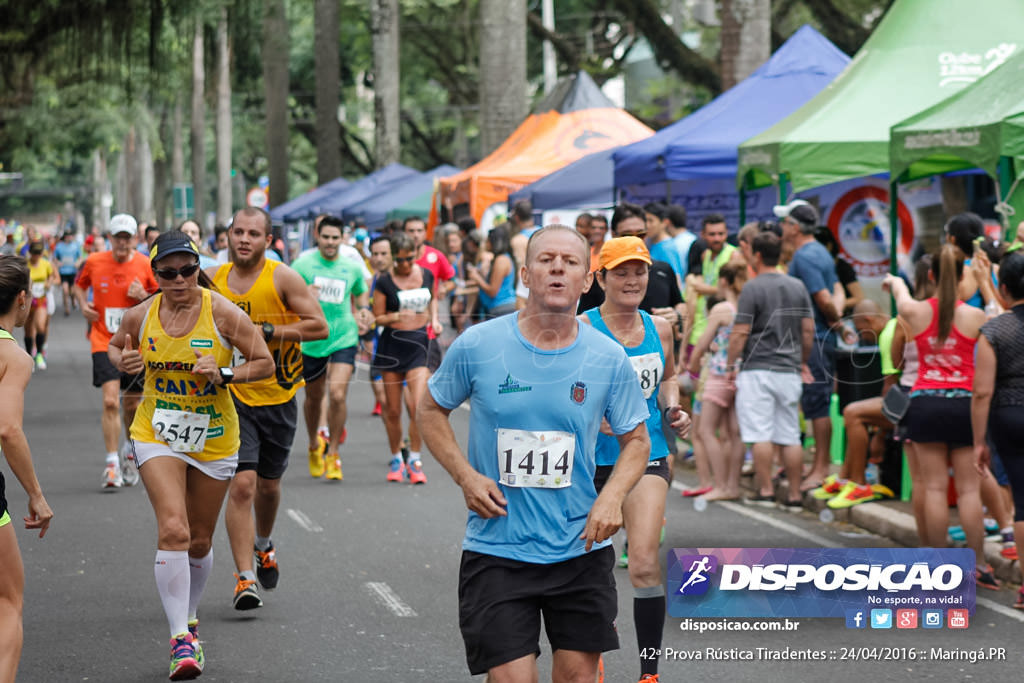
x,y
268,331
227,375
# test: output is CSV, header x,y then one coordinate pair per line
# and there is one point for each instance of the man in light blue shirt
x,y
539,384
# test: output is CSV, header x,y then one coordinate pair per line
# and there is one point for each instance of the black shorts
x,y
501,602
401,350
68,279
433,355
313,367
657,467
3,495
266,434
103,371
937,419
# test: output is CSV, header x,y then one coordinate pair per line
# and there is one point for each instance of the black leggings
x,y
1006,428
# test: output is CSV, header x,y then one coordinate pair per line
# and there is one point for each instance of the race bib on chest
x,y
183,431
38,290
414,300
648,369
536,459
112,318
332,291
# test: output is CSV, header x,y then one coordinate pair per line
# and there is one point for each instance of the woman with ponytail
x,y
945,332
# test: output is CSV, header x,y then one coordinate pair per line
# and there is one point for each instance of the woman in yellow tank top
x,y
15,372
185,432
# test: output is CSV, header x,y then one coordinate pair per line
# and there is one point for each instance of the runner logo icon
x,y
697,581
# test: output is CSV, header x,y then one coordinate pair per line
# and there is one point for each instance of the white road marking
x,y
740,509
390,599
824,542
1000,609
303,520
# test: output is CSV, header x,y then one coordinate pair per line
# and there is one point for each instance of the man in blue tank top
x,y
539,383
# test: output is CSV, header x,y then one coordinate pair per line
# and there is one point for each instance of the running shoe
x,y
185,660
416,475
316,458
376,408
334,468
112,477
40,361
852,494
193,629
758,499
247,596
266,567
650,678
396,469
986,578
623,562
129,469
1019,604
829,488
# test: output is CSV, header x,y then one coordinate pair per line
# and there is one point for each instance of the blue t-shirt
x,y
67,254
813,265
666,251
648,361
512,385
505,295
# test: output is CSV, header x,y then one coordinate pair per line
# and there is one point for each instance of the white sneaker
x,y
112,477
40,361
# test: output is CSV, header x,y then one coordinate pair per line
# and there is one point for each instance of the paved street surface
x,y
369,572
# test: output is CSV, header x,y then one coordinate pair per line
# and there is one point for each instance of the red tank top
x,y
946,366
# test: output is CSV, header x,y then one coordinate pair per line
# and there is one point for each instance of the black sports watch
x,y
268,331
227,375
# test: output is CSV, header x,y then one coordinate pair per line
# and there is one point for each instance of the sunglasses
x,y
173,273
404,259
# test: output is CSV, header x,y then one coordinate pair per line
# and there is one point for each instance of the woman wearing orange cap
x,y
622,274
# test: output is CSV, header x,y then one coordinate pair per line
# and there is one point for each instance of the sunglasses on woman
x,y
173,273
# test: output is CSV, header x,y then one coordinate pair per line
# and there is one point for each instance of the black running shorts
x,y
103,371
657,467
501,602
266,434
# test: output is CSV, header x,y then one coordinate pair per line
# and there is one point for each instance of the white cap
x,y
123,223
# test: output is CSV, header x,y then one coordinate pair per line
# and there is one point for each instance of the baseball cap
x,y
799,210
621,249
169,243
124,224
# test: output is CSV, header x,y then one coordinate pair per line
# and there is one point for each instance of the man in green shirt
x,y
337,283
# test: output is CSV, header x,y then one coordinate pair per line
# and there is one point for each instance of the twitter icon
x,y
881,618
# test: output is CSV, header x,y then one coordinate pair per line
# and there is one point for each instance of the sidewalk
x,y
892,519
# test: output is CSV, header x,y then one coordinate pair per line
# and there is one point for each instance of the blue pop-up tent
x,y
312,198
355,192
583,184
704,144
374,209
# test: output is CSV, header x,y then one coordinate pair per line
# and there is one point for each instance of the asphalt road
x,y
369,572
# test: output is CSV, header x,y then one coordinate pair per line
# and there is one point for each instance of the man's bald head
x,y
869,320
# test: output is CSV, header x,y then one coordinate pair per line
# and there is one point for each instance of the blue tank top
x,y
506,293
648,361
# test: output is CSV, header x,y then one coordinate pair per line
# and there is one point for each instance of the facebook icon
x,y
855,619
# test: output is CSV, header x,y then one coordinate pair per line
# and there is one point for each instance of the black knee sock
x,y
40,341
649,619
30,344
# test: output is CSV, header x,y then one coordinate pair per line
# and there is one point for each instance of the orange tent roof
x,y
575,120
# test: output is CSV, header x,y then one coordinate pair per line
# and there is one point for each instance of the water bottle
x,y
871,474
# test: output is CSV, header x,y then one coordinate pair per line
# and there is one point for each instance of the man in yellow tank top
x,y
278,302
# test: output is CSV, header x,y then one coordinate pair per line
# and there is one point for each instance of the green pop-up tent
x,y
981,126
921,52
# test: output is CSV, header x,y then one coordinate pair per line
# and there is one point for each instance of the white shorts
x,y
221,470
767,406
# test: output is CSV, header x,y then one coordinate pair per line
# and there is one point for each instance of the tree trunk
x,y
223,124
177,145
503,103
198,123
384,27
746,38
161,190
328,74
275,95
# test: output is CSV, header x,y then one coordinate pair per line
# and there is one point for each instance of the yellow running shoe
x,y
334,467
829,488
852,494
316,458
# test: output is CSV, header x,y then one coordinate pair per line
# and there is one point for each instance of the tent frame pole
x,y
1005,175
743,202
783,187
894,232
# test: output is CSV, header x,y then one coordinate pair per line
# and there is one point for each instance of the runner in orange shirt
x,y
119,278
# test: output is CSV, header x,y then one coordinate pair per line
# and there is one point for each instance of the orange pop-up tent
x,y
574,120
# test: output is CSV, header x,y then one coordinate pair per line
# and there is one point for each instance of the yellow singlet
x,y
262,304
171,386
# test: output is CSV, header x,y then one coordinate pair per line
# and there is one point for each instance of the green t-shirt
x,y
338,281
710,264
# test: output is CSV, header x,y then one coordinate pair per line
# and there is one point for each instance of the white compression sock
x,y
172,583
199,571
